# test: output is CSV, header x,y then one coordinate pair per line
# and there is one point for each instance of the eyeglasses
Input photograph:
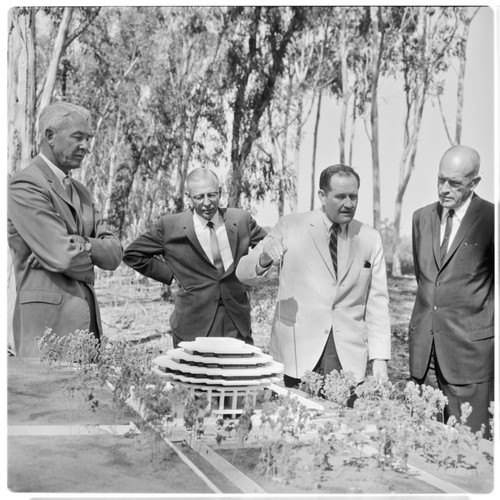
x,y
211,196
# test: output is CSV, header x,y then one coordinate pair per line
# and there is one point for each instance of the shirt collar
x,y
329,223
202,222
459,212
57,171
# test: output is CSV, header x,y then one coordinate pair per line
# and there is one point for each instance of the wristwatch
x,y
88,247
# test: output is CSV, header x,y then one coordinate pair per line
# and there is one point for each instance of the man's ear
x,y
321,195
49,135
475,182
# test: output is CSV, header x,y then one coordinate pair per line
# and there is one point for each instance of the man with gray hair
x,y
56,235
200,249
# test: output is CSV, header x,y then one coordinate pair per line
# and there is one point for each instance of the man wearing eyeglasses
x,y
200,249
452,325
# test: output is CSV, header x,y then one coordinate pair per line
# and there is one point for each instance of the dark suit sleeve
x,y
256,232
38,223
142,255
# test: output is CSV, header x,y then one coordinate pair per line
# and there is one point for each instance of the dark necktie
x,y
447,233
214,246
333,245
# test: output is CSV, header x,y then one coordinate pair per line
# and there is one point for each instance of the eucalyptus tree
x,y
426,34
304,75
255,53
459,51
21,87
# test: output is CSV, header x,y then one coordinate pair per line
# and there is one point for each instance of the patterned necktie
x,y
447,232
70,190
214,246
333,245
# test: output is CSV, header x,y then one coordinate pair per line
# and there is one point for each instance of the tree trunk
x,y
113,166
59,46
21,88
461,76
377,47
353,126
21,92
315,146
396,237
345,92
296,162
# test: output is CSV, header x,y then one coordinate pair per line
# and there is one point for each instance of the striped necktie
x,y
447,233
333,245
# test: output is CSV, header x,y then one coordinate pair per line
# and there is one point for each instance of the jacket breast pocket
x,y
43,296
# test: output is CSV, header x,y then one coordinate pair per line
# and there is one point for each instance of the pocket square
x,y
367,264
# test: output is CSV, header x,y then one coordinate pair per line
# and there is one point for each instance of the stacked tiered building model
x,y
224,368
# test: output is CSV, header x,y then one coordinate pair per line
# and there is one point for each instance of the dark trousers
x,y
328,361
222,326
477,395
89,298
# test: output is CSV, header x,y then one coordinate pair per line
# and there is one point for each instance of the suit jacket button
x,y
438,284
435,308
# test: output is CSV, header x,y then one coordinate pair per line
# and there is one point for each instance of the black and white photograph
x,y
250,251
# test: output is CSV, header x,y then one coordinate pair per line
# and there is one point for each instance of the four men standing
x,y
332,311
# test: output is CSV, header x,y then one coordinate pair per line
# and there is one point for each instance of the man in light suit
x,y
56,235
452,325
200,249
332,311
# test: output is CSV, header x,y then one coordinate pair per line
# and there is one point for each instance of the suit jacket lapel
x,y
352,241
190,233
436,233
469,218
231,230
232,236
54,182
317,231
59,189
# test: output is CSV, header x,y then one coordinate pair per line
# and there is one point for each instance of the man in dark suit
x,y
200,249
452,325
56,235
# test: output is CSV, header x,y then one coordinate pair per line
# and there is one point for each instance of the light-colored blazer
x,y
311,300
43,220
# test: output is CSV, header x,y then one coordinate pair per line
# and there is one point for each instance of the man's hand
x,y
76,238
379,368
272,252
33,262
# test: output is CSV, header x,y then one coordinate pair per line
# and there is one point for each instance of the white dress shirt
x,y
456,220
203,235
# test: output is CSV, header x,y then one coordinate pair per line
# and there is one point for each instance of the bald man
x,y
451,330
200,249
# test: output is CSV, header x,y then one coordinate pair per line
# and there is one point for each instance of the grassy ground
x,y
132,307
